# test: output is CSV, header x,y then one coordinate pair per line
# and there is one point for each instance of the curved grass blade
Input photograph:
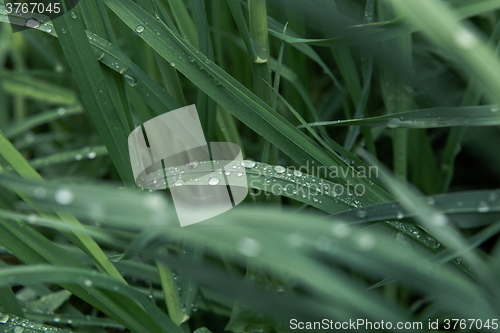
x,y
383,31
449,203
427,118
30,87
69,156
28,123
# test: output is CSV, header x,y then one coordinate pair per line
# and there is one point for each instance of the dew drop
x,y
132,81
190,59
91,155
249,247
465,39
400,215
494,108
213,181
32,218
239,174
193,164
439,220
87,282
73,15
248,164
279,169
4,318
139,29
366,242
172,64
39,193
297,173
483,207
431,201
361,213
341,230
207,61
64,197
315,199
18,329
32,23
63,30
57,319
48,30
179,182
492,197
216,82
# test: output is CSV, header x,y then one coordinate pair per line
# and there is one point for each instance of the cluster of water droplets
x,y
13,324
182,56
414,232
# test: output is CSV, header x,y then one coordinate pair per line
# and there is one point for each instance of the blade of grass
x,y
185,23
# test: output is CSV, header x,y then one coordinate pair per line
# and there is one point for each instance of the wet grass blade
x,y
485,115
94,91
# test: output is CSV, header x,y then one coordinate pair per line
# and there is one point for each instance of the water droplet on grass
x,y
248,163
4,318
439,220
91,155
465,39
279,169
213,181
483,207
39,193
64,197
341,230
361,213
297,173
32,23
132,81
193,164
400,215
366,242
249,247
179,182
73,15
87,282
216,82
190,59
172,64
139,29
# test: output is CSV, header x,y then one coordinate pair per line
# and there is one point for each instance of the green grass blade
x,y
462,116
95,92
185,23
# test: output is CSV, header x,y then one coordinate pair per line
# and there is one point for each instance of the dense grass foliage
x,y
370,132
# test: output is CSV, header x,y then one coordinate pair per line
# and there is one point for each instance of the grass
x,y
394,102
